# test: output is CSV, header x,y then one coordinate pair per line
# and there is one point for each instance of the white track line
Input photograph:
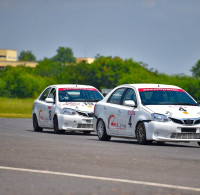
x,y
103,178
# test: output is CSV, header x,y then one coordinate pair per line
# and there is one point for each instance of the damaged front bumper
x,y
171,132
75,123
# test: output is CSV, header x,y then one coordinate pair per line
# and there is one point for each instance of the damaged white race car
x,y
65,107
148,112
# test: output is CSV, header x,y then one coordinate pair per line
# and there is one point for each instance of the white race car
x,y
65,107
148,112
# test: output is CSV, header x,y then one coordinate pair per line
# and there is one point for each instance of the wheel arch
x,y
35,114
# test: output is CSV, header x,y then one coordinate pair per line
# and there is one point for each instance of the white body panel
x,y
82,118
183,121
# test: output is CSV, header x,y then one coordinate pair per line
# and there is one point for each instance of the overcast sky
x,y
165,34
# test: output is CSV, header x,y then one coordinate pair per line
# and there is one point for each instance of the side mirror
x,y
49,100
129,103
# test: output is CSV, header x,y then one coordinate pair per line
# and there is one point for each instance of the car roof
x,y
149,85
72,86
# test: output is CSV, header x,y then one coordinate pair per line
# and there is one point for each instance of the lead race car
x,y
65,107
148,112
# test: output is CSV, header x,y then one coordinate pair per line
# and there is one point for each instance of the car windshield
x,y
79,95
165,96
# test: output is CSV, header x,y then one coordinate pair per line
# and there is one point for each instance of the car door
x,y
42,113
112,110
128,114
50,107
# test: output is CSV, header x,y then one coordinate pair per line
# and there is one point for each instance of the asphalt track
x,y
73,163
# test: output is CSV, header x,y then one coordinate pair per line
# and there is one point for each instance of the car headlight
x,y
160,117
68,111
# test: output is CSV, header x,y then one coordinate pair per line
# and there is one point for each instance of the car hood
x,y
79,106
176,111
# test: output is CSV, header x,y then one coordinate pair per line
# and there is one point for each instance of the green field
x,y
16,108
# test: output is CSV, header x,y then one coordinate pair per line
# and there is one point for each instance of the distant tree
x,y
48,68
196,70
18,82
97,56
64,55
26,56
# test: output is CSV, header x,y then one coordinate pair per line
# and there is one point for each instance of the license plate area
x,y
188,130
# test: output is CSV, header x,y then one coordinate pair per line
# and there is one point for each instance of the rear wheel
x,y
55,126
101,131
36,127
141,134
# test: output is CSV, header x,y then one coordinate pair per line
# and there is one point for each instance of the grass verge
x,y
16,108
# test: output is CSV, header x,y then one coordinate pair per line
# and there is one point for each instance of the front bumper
x,y
75,123
170,131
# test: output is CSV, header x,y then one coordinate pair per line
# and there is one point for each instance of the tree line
x,y
104,72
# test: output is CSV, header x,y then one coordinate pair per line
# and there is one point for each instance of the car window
x,y
165,97
52,94
115,98
130,95
45,94
79,95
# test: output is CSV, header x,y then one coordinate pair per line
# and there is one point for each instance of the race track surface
x,y
73,163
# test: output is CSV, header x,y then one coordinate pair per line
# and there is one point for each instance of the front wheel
x,y
36,127
141,134
101,131
55,126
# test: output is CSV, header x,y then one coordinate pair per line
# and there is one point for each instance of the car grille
x,y
185,136
90,126
186,121
176,121
86,114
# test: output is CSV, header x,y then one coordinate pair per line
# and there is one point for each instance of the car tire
x,y
198,143
55,126
36,127
86,132
141,134
101,131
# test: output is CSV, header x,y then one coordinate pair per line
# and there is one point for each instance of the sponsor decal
x,y
130,122
72,103
131,112
182,109
88,103
49,108
76,88
160,89
41,116
113,125
168,113
185,113
175,106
